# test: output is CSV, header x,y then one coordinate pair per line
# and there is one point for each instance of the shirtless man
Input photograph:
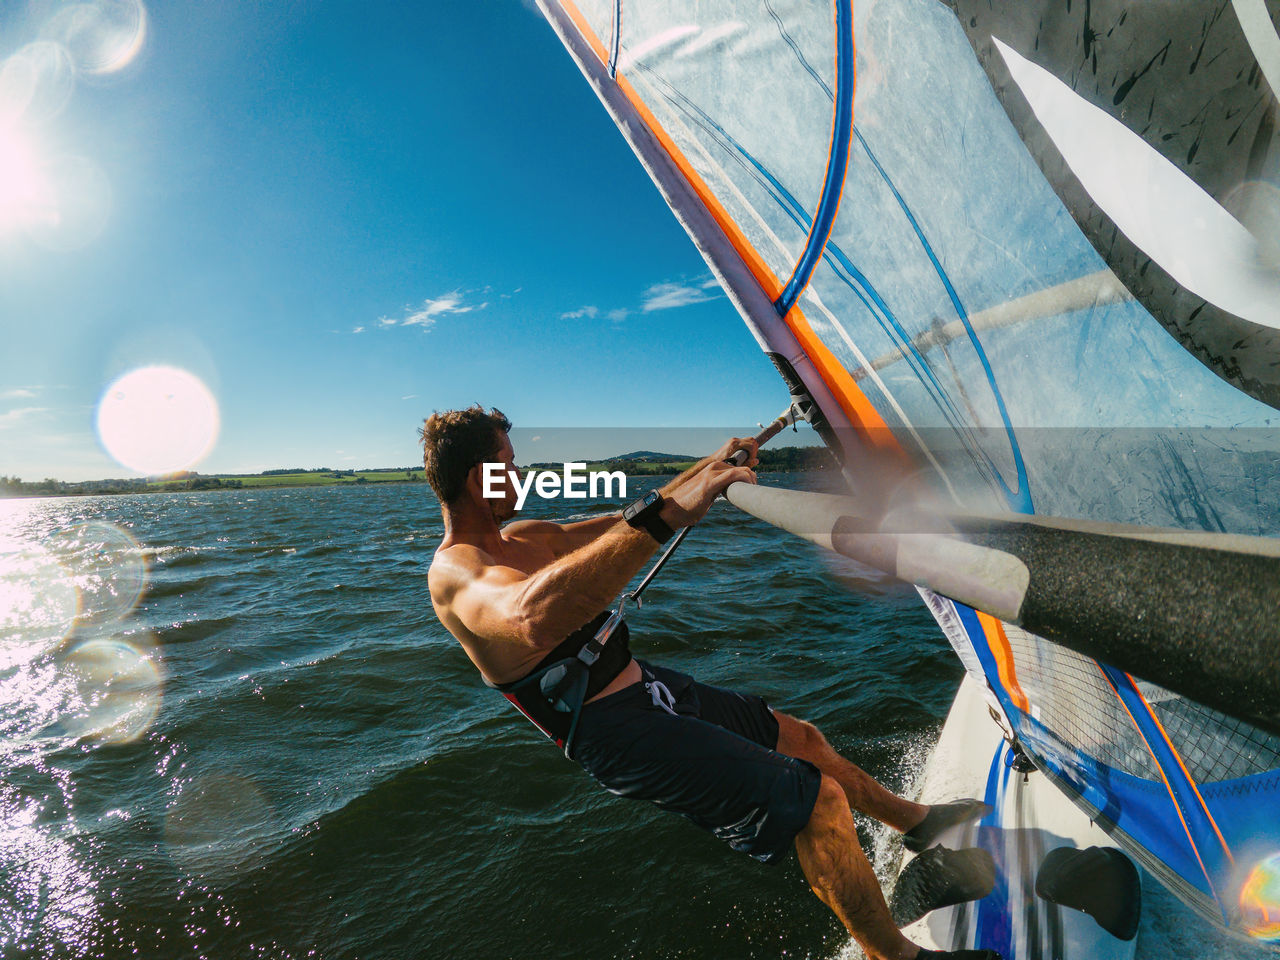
x,y
528,594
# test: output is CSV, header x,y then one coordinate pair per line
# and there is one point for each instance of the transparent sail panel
x,y
1068,694
1214,747
718,77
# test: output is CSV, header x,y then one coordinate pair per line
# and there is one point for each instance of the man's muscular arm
x,y
563,538
539,610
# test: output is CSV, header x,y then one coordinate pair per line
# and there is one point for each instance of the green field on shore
x,y
301,478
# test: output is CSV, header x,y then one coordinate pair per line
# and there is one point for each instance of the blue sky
x,y
343,216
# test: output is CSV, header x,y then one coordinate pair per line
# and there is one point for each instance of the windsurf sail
x,y
1008,249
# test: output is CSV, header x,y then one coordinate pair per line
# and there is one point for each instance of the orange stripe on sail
x,y
998,641
584,28
1167,785
853,402
741,245
1185,772
865,418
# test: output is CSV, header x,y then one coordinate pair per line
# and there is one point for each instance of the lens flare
x,y
62,204
27,196
118,691
217,824
102,36
39,603
1260,900
36,83
107,566
157,420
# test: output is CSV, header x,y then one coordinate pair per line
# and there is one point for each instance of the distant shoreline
x,y
781,460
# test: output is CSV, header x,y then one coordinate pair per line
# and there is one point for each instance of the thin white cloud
x,y
412,396
358,330
21,393
669,296
432,310
19,414
660,296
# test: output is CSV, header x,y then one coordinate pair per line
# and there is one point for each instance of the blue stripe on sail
x,y
978,640
789,204
834,255
1204,839
1245,808
1139,807
841,266
837,162
795,49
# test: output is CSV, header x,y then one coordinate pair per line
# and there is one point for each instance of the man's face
x,y
504,508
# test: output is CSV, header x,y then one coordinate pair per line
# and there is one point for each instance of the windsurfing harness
x,y
584,663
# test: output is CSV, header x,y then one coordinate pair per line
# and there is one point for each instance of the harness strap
x,y
563,683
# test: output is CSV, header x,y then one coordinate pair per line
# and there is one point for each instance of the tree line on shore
x,y
49,487
783,459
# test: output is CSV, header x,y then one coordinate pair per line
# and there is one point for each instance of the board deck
x,y
1030,818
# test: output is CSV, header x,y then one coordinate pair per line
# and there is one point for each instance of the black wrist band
x,y
643,515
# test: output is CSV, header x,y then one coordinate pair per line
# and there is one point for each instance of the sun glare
x,y
26,196
157,420
1260,899
38,603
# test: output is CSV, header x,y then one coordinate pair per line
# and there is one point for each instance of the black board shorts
x,y
712,760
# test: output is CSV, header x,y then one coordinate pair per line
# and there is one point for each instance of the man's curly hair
x,y
455,441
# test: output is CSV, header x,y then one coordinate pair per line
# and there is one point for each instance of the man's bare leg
x,y
797,738
838,872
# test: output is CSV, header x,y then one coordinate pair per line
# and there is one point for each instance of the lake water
x,y
292,758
